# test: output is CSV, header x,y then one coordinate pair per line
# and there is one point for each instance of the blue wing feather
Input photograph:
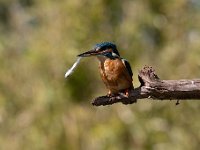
x,y
128,67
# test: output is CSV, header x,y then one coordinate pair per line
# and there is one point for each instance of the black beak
x,y
89,53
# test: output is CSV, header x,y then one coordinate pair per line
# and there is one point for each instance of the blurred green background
x,y
39,41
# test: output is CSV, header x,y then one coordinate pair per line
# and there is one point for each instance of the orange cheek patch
x,y
107,50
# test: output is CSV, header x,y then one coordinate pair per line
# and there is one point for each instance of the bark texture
x,y
154,88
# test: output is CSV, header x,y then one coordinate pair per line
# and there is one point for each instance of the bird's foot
x,y
126,93
112,96
127,96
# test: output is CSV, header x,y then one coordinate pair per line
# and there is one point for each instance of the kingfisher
x,y
115,71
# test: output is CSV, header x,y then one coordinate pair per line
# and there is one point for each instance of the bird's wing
x,y
128,66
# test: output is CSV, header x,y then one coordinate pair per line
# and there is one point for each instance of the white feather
x,y
71,70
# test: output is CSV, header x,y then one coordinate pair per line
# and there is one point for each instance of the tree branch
x,y
154,88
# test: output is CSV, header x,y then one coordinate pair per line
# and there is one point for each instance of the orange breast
x,y
115,75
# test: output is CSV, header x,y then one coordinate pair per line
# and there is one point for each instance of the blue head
x,y
106,49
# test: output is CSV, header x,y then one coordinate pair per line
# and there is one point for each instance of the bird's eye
x,y
108,50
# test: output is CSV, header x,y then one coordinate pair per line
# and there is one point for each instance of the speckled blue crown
x,y
107,45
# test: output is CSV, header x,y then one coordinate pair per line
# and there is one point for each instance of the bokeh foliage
x,y
39,41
